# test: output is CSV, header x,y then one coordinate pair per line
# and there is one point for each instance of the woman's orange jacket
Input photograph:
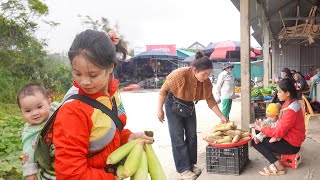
x,y
80,129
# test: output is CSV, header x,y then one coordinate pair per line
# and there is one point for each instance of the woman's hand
x,y
224,119
161,115
147,139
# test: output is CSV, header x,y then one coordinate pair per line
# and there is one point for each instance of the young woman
x,y
186,85
290,128
81,130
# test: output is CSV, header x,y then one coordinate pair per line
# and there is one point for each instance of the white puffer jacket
x,y
225,86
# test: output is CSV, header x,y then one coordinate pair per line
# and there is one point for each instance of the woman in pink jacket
x,y
290,128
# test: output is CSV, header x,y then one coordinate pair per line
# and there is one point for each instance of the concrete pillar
x,y
245,65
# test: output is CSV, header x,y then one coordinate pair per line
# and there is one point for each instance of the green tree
x,y
22,56
21,52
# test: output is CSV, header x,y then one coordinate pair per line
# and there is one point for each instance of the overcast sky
x,y
142,22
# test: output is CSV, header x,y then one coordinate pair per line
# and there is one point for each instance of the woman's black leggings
x,y
280,147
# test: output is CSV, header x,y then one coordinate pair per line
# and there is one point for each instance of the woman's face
x,y
283,74
89,77
283,96
202,75
229,69
296,77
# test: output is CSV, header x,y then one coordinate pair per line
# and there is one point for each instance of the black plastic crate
x,y
227,160
259,112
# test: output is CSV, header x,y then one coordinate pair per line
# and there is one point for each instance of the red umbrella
x,y
230,50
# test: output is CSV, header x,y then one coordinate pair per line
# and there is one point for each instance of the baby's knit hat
x,y
272,109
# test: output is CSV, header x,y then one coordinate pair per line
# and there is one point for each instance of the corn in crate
x,y
227,152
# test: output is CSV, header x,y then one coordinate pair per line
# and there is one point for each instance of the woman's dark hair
x,y
287,85
96,46
300,74
120,48
287,71
201,62
29,90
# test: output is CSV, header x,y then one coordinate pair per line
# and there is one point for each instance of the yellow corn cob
x,y
227,140
236,138
142,171
133,160
121,152
120,174
154,166
245,134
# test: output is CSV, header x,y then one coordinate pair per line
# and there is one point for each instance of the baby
x,y
272,113
35,107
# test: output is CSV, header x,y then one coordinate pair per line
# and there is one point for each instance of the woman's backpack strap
x,y
98,105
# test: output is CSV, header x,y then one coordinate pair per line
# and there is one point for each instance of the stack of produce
x,y
259,93
256,94
140,159
227,133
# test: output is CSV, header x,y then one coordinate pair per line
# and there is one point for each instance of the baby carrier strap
x,y
94,103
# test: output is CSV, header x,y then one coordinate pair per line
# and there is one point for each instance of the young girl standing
x,y
81,130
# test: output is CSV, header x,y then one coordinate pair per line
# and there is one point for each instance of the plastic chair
x,y
291,160
308,112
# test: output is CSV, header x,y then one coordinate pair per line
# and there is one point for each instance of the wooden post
x,y
246,114
273,59
266,42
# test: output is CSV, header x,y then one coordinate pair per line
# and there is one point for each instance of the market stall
x,y
148,69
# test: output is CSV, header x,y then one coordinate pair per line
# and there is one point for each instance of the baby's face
x,y
272,118
35,108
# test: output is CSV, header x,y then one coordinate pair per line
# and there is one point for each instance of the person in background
x,y
35,107
290,128
300,84
315,76
313,82
285,73
83,136
301,87
225,88
185,85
